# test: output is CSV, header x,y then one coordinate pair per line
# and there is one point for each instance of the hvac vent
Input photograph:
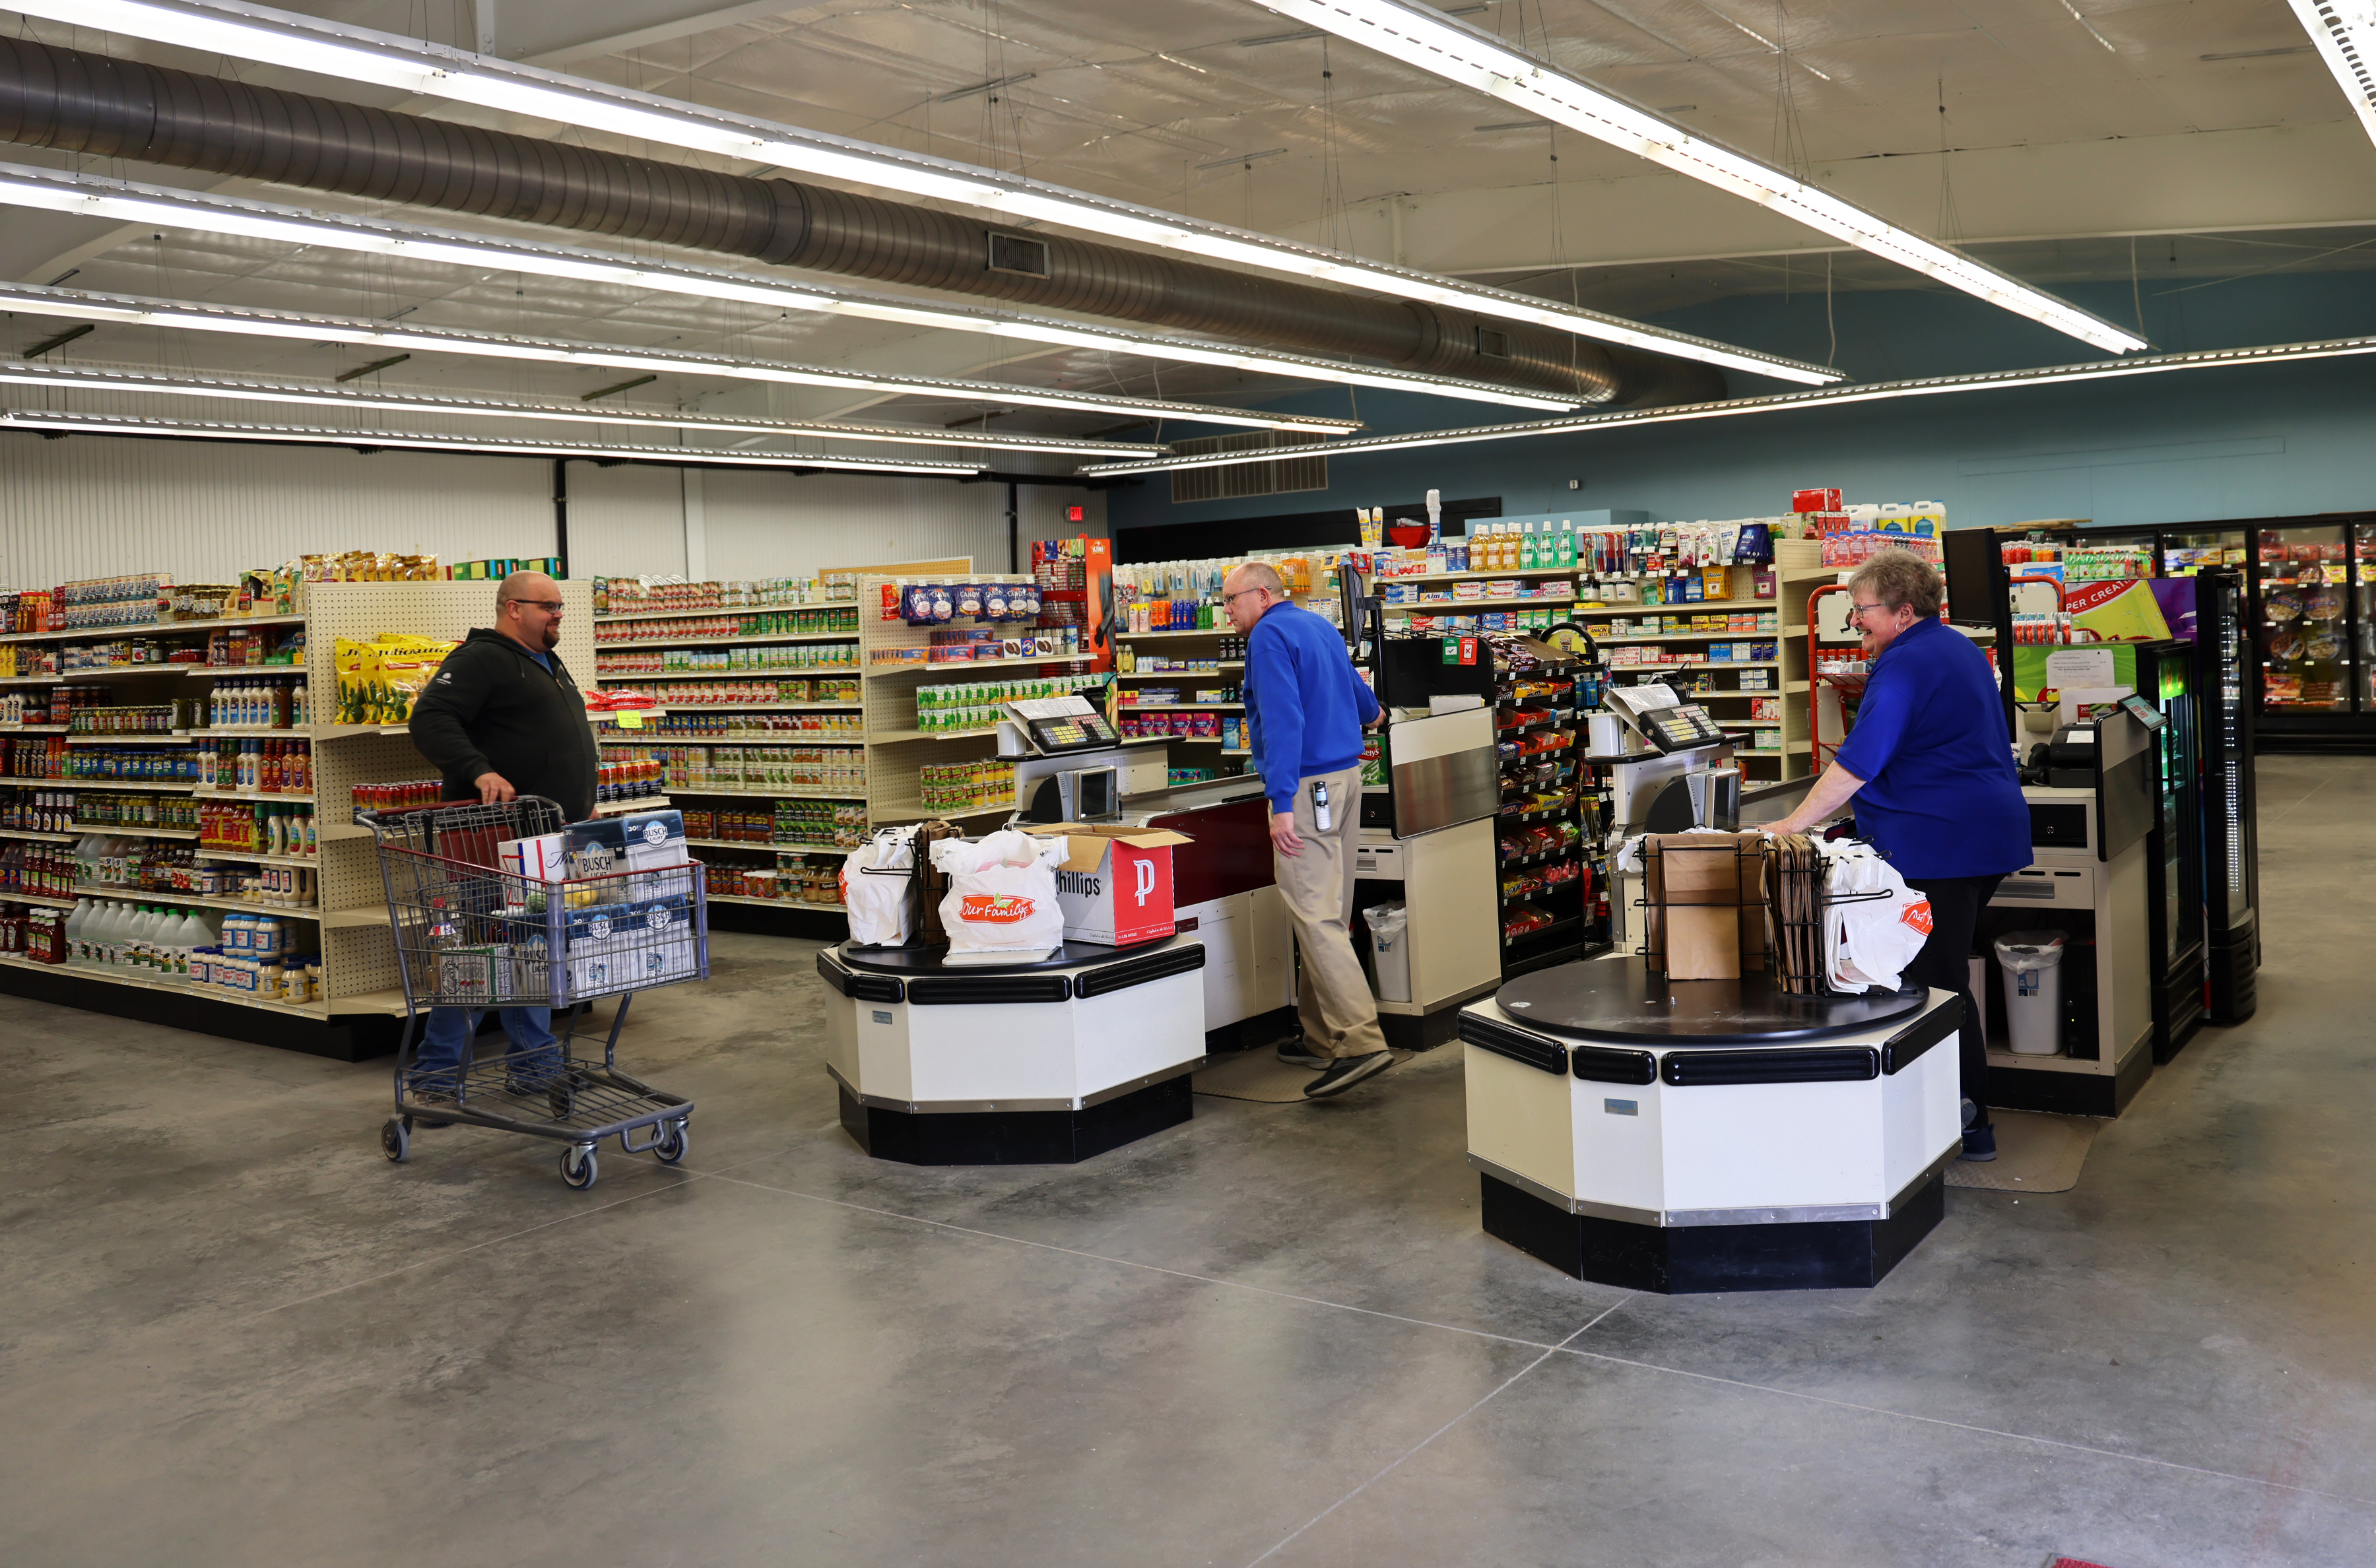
x,y
1012,253
1492,345
1234,479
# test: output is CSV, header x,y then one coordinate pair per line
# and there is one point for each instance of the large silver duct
x,y
92,104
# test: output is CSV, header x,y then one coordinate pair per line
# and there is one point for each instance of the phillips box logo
x,y
996,908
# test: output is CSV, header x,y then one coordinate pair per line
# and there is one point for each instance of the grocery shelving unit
x,y
895,749
362,1000
729,694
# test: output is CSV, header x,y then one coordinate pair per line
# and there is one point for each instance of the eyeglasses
x,y
1242,593
1866,609
550,606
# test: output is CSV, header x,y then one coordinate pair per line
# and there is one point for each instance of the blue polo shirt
x,y
1941,797
1307,702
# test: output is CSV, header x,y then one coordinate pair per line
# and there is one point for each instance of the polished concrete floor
x,y
231,1334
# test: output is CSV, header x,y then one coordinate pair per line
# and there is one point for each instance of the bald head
x,y
1250,589
528,610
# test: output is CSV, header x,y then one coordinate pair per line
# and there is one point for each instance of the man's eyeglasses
x,y
1227,597
550,606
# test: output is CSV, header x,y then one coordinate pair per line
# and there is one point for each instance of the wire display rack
x,y
471,935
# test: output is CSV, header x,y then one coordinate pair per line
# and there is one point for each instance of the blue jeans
x,y
445,1044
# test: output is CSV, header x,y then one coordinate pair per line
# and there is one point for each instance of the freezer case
x,y
2311,676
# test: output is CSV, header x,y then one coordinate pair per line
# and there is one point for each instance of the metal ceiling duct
x,y
90,104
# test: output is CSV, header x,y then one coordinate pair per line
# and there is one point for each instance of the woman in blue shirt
x,y
1930,765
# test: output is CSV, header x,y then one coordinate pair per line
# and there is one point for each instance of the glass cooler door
x,y
2363,593
2305,659
2187,551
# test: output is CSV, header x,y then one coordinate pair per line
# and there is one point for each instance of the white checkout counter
x,y
1040,1062
1710,1135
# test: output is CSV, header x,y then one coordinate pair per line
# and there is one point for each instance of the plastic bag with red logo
x,y
1874,923
1002,893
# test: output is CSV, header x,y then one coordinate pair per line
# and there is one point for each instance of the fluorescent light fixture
x,y
126,200
2343,33
48,422
1421,36
305,43
92,378
1780,402
32,299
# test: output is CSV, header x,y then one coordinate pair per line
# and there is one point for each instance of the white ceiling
x,y
2060,125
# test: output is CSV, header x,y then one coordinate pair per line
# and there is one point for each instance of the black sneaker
x,y
1980,1144
1347,1071
1297,1053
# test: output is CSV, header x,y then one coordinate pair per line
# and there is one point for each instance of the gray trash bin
x,y
2032,961
1389,957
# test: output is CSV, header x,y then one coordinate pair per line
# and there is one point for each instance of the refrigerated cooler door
x,y
2363,572
2304,581
2184,552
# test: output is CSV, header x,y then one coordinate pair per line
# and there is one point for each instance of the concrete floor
x,y
231,1334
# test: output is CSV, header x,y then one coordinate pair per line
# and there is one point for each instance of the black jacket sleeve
x,y
447,706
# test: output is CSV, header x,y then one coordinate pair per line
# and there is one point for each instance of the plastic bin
x,y
2032,961
1389,959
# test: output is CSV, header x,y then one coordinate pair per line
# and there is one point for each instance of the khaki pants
x,y
1333,999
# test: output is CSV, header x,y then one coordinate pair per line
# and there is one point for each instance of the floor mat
x,y
1258,1075
2036,1153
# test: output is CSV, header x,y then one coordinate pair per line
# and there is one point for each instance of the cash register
x,y
1069,766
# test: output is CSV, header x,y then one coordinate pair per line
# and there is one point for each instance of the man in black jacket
x,y
501,718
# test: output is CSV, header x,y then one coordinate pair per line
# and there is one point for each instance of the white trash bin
x,y
1389,959
2032,961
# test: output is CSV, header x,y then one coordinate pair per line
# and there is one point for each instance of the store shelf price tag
x,y
631,720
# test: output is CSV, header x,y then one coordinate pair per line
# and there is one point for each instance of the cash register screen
x,y
1064,724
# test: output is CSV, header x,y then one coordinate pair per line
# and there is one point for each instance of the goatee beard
x,y
552,637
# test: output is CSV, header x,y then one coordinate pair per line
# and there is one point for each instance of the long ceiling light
x,y
91,378
33,299
1421,36
50,423
1780,402
129,201
2345,34
305,43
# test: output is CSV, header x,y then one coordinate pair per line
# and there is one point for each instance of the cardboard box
x,y
541,859
1114,884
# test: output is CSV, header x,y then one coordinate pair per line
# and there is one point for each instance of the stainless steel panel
x,y
1444,791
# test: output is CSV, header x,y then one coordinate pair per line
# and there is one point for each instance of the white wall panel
x,y
95,507
763,525
626,521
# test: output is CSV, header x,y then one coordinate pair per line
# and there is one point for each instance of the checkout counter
x,y
1691,1136
1030,1058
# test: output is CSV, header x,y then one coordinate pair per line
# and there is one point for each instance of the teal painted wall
x,y
2195,446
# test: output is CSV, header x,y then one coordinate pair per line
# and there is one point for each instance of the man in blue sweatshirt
x,y
1308,707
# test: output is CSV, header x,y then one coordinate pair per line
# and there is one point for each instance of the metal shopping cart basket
x,y
471,934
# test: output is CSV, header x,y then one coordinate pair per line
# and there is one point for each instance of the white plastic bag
x,y
1002,893
874,882
1871,939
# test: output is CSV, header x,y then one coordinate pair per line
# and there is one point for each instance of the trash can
x,y
1389,959
2032,961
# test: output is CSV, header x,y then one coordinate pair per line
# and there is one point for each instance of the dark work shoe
x,y
1981,1143
427,1099
1347,1071
1297,1053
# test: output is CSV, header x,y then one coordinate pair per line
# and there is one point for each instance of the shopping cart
x,y
470,934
